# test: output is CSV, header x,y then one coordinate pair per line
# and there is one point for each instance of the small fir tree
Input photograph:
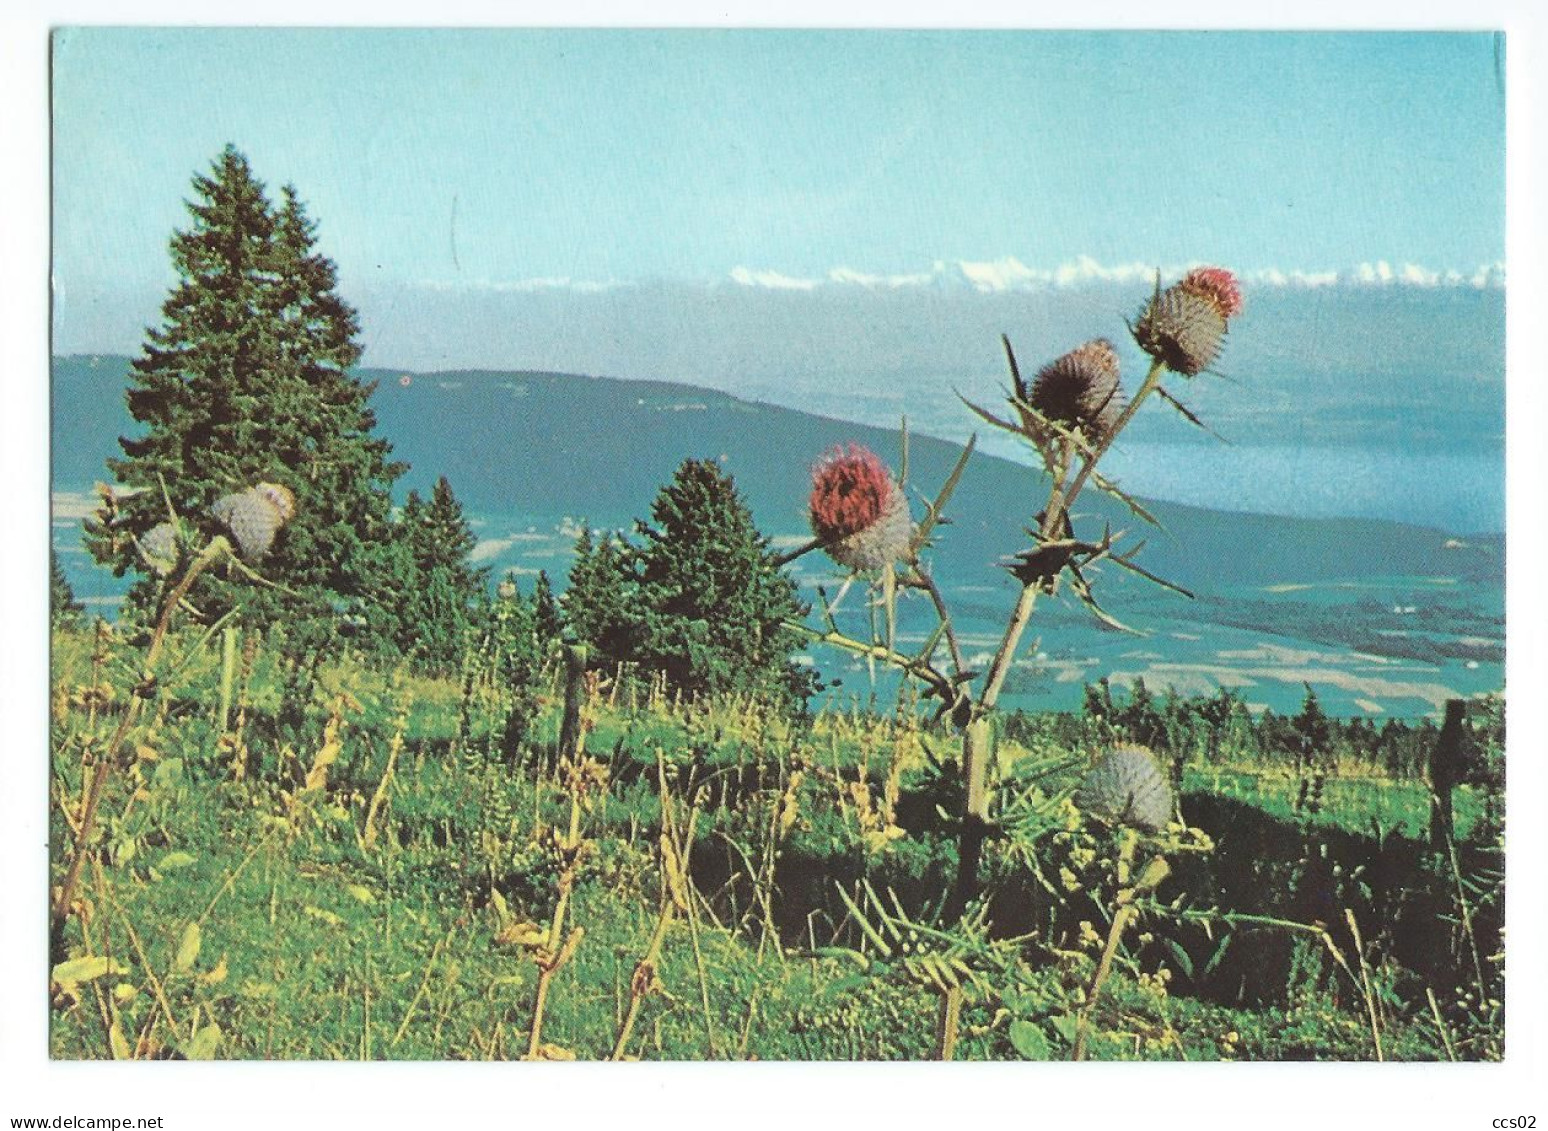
x,y
431,591
712,601
63,608
548,617
600,605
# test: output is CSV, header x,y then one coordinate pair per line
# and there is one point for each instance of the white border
x,y
389,1096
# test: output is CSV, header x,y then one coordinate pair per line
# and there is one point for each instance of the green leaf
x,y
77,970
1180,956
188,949
176,860
1029,1041
361,892
850,983
1065,1026
118,1043
1214,959
844,953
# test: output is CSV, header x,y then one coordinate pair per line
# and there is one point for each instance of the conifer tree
x,y
247,381
429,593
600,605
519,654
712,602
63,608
547,616
1313,731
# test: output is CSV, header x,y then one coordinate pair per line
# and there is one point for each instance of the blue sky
x,y
493,157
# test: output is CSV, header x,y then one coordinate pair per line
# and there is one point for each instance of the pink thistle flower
x,y
1184,326
858,510
1218,285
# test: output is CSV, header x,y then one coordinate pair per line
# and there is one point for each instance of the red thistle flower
x,y
1080,390
1184,326
858,510
1218,285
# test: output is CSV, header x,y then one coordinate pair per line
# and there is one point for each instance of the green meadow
x,y
344,862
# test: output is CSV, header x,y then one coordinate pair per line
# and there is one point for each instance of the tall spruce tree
x,y
247,381
712,602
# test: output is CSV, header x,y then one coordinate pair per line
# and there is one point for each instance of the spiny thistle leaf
x,y
935,510
1188,414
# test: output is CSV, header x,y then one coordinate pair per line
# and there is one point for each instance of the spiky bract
x,y
159,548
255,516
1081,390
1184,326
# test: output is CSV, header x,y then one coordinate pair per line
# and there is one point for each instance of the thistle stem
x,y
948,1024
1152,380
975,742
926,582
88,825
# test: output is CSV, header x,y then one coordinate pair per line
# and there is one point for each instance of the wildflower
x,y
858,510
254,516
1080,390
1128,787
1184,326
1218,285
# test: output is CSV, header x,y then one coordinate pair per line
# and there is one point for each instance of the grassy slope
x,y
315,943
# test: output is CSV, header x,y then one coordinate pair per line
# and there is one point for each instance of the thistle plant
x,y
1069,413
252,518
1128,789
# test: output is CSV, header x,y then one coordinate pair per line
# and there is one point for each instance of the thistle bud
x,y
1128,787
159,548
1184,326
858,510
282,497
1081,391
254,516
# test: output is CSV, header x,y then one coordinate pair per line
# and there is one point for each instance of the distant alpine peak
x,y
1009,273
